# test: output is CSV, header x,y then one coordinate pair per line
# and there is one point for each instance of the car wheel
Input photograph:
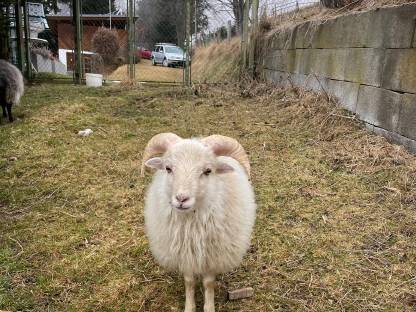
x,y
153,61
165,63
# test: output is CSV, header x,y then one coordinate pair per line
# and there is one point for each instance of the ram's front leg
x,y
190,305
209,285
3,107
9,112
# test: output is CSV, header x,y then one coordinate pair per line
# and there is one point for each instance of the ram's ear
x,y
155,163
223,168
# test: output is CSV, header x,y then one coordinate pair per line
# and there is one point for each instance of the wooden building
x,y
63,29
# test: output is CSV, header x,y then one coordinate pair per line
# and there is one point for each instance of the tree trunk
x,y
238,10
4,32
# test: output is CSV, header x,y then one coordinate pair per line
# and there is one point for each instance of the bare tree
x,y
235,7
238,8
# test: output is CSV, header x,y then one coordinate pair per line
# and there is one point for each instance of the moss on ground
x,y
336,216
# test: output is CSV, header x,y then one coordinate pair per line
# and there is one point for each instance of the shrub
x,y
105,42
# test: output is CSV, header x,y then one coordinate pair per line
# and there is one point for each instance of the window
x,y
175,50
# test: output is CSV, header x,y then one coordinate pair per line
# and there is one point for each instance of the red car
x,y
144,53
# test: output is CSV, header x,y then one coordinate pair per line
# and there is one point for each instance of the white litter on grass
x,y
85,133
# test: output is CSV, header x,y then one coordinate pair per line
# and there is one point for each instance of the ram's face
x,y
190,170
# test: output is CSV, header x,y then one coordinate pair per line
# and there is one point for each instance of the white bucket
x,y
94,80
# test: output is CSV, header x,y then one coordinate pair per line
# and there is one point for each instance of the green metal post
x,y
76,9
196,21
19,34
254,31
131,38
187,43
134,39
244,42
28,62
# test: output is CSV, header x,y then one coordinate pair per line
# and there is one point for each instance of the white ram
x,y
200,208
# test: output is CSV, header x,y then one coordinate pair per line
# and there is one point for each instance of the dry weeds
x,y
336,205
217,62
318,14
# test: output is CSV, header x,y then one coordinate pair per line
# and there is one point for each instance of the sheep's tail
x,y
14,92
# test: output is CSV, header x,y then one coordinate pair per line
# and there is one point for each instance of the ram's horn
x,y
226,146
157,145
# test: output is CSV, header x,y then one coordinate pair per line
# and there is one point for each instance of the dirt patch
x,y
145,71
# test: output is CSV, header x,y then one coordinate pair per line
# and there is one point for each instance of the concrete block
x,y
407,117
304,60
329,63
276,61
315,83
334,32
269,75
299,80
394,27
345,92
389,27
281,60
282,39
414,37
309,82
278,77
305,34
364,66
399,72
379,107
291,60
396,138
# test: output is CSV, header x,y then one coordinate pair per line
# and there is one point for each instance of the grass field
x,y
336,222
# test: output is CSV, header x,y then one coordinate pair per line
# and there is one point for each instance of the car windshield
x,y
176,50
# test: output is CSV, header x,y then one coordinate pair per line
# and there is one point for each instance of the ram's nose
x,y
182,198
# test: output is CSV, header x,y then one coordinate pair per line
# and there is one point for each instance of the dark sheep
x,y
11,87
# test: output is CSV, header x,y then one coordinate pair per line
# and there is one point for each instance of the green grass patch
x,y
336,217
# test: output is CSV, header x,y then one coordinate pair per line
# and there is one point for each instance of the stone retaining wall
x,y
367,60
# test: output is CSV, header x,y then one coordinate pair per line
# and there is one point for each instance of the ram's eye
x,y
207,172
168,169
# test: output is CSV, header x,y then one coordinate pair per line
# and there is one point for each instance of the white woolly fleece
x,y
13,78
215,236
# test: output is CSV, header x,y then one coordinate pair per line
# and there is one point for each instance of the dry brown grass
x,y
318,14
217,62
336,220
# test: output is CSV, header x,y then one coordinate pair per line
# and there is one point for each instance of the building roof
x,y
64,11
86,17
